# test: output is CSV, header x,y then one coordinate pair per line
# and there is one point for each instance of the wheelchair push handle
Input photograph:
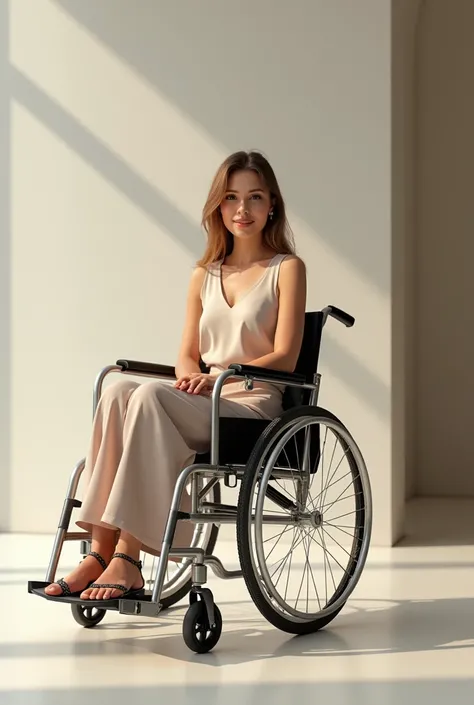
x,y
339,315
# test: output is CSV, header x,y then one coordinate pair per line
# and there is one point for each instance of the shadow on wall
x,y
222,95
274,89
189,70
109,165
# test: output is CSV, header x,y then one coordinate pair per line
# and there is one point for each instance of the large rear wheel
x,y
304,519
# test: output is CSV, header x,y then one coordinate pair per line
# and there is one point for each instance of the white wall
x,y
405,15
444,389
120,114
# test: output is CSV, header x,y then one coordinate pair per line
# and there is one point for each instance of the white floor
x,y
407,636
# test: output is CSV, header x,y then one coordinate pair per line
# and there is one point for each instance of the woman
x,y
246,304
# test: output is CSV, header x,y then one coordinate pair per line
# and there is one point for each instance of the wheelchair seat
x,y
237,436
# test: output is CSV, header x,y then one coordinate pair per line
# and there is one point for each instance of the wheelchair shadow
x,y
402,626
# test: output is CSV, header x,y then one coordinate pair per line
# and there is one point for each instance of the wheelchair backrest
x,y
307,364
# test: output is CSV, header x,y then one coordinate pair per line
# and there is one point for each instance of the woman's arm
x,y
188,356
290,323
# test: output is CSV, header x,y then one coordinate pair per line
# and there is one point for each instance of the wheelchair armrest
x,y
264,373
147,368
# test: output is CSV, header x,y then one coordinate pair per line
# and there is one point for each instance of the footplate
x,y
144,606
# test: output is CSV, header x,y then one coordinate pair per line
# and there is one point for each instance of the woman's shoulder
x,y
293,263
199,275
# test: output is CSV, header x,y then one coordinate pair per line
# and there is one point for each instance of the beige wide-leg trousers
x,y
143,436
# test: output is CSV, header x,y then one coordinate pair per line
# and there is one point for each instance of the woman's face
x,y
246,205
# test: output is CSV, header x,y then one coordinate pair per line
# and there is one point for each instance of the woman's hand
x,y
195,383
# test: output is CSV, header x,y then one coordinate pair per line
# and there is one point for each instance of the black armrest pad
x,y
147,368
267,374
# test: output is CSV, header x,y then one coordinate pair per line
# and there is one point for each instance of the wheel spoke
x,y
339,544
281,565
328,485
347,514
315,588
289,567
304,572
335,526
329,564
276,544
349,472
288,528
338,498
334,559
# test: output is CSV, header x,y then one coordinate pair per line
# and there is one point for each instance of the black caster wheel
x,y
198,634
87,616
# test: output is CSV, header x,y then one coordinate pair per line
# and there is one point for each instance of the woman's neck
x,y
247,252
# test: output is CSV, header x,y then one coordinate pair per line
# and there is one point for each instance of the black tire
x,y
172,599
197,633
263,447
88,617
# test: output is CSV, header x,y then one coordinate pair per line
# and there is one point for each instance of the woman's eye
x,y
257,197
230,197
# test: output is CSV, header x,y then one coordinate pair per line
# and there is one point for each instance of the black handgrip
x,y
267,374
341,316
147,368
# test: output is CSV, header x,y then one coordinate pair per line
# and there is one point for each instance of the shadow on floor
x,y
401,626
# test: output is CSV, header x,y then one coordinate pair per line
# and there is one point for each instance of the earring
x,y
270,215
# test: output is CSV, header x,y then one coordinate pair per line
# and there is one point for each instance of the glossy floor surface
x,y
407,636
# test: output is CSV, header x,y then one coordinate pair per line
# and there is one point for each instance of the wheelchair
x,y
303,517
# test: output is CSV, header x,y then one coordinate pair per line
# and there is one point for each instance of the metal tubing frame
x,y
61,532
213,471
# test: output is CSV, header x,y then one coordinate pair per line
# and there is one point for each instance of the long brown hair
x,y
277,233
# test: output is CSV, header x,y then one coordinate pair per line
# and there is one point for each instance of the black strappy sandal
x,y
127,592
66,590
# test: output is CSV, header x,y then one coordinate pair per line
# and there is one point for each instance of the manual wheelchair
x,y
295,473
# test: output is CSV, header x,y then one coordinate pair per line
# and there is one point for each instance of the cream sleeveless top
x,y
241,333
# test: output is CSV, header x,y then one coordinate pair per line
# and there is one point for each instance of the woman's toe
x,y
53,589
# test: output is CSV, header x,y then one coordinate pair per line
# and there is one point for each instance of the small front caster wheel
x,y
198,634
87,616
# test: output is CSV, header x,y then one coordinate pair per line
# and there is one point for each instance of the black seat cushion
x,y
238,437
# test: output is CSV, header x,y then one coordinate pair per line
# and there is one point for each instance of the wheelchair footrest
x,y
144,606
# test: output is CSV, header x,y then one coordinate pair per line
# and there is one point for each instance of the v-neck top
x,y
242,332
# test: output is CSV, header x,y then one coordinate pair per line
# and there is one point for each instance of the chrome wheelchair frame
x,y
203,623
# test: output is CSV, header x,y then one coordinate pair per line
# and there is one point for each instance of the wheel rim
x,y
303,531
92,614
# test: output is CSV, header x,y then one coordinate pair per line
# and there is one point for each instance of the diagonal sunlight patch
x,y
112,101
355,374
159,158
108,164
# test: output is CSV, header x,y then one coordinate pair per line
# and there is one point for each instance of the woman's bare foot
x,y
119,572
85,573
